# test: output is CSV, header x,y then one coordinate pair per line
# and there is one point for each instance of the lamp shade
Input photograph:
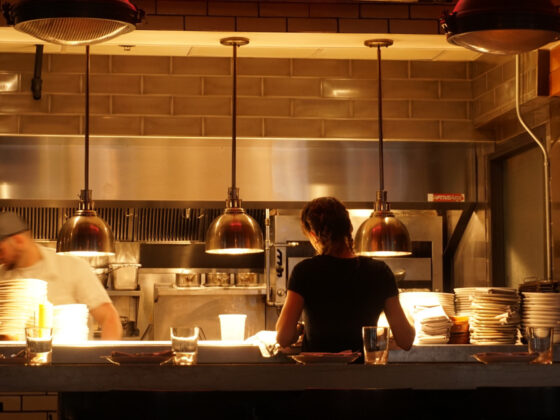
x,y
73,22
382,235
502,26
234,232
86,235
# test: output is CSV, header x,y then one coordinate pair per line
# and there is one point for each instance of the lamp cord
x,y
86,123
234,120
546,167
380,120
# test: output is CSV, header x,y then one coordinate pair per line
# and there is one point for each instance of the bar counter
x,y
237,382
275,377
242,368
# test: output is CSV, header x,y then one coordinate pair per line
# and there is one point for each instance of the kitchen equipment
x,y
129,327
124,276
246,279
399,276
102,274
217,279
187,280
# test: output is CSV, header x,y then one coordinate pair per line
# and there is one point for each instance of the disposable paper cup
x,y
232,327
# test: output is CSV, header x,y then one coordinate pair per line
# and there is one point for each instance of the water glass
x,y
376,345
184,344
541,340
38,348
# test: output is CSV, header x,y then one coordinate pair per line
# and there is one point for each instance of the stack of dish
x,y
463,300
431,312
541,310
432,325
495,316
70,324
19,303
411,299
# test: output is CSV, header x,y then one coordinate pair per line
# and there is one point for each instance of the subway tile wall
x,y
28,406
294,98
493,93
294,16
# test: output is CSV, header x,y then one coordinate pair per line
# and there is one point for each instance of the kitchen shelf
x,y
204,291
124,292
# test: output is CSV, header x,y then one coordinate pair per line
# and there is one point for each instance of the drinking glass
x,y
541,340
376,345
184,344
38,348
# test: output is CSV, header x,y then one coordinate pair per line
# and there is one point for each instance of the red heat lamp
x,y
502,26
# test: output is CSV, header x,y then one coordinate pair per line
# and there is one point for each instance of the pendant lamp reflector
x,y
85,235
502,26
73,22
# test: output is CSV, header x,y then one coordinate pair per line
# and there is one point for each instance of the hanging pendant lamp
x,y
382,234
85,234
502,26
234,232
73,22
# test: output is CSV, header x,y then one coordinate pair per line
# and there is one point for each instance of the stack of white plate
x,y
70,324
541,310
19,303
463,300
432,325
495,316
410,300
431,312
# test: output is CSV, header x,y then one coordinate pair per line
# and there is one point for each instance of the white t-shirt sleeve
x,y
85,285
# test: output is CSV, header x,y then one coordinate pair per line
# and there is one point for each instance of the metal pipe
x,y
37,82
546,170
234,120
86,124
269,299
380,119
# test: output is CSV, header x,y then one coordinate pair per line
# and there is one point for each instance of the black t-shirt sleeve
x,y
386,281
296,282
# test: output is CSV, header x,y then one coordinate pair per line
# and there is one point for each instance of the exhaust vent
x,y
166,225
132,224
43,222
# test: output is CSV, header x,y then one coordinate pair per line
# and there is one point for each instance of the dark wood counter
x,y
276,377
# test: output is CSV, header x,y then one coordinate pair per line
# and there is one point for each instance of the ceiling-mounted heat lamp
x,y
510,27
502,26
234,232
86,234
382,234
73,22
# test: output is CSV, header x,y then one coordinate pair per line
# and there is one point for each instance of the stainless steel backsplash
x,y
195,172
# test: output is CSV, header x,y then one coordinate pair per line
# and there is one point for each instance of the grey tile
x,y
292,127
347,88
321,108
296,87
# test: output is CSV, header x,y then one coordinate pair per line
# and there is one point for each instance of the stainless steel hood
x,y
184,171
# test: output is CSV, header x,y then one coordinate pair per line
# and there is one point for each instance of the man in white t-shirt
x,y
69,279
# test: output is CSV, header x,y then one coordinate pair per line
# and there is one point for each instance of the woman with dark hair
x,y
337,291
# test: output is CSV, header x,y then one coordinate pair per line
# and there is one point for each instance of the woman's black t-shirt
x,y
340,296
